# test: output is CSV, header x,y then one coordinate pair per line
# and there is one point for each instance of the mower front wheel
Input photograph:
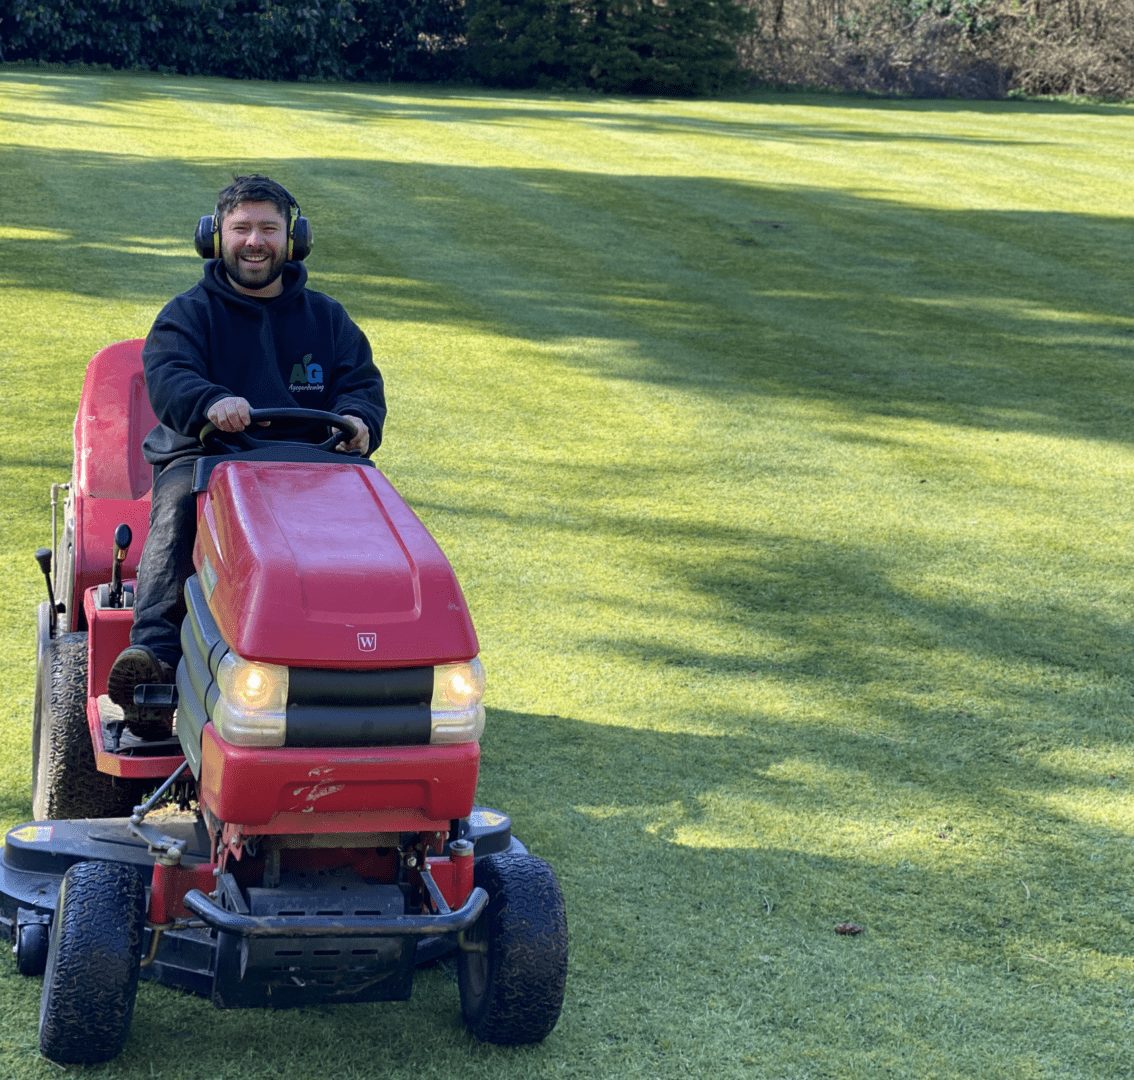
x,y
93,960
512,968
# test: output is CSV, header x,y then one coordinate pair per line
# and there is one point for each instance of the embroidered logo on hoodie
x,y
306,375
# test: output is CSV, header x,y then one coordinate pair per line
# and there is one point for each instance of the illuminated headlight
x,y
252,707
456,712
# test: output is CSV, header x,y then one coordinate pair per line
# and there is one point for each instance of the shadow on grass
x,y
805,825
966,755
727,289
50,461
720,287
473,104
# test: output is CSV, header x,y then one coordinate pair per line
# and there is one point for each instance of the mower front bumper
x,y
289,958
335,926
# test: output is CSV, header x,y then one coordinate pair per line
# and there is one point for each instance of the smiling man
x,y
249,335
254,248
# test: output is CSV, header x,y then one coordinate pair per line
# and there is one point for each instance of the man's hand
x,y
230,413
361,441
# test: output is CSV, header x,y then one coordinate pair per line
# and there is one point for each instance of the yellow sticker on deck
x,y
487,817
33,834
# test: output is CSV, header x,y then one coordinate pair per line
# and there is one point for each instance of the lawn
x,y
783,449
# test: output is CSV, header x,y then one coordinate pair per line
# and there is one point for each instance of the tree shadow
x,y
806,821
362,102
958,748
725,288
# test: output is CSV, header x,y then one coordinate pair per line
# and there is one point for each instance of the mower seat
x,y
110,481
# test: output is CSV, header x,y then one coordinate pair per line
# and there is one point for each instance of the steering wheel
x,y
342,427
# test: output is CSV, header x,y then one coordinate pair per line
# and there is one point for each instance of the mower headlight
x,y
252,707
456,712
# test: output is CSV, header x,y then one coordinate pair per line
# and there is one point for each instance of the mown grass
x,y
782,447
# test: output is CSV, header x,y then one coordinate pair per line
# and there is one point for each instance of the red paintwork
x,y
109,635
337,790
110,481
168,887
454,877
310,559
145,767
110,484
103,645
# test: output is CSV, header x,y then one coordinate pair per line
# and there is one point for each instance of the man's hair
x,y
254,188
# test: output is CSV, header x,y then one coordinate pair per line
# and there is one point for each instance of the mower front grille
x,y
325,707
308,970
389,707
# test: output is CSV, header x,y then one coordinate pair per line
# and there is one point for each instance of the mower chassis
x,y
207,957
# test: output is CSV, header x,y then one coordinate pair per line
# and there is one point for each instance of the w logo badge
x,y
367,642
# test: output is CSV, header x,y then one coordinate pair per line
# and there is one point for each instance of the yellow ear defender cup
x,y
299,237
207,237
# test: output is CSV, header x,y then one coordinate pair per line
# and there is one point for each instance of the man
x,y
249,335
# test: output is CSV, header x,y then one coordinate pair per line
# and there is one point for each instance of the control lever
x,y
43,557
122,538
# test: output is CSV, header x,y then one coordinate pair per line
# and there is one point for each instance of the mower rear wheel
x,y
513,971
93,961
65,782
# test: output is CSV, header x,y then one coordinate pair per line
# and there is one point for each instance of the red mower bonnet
x,y
344,577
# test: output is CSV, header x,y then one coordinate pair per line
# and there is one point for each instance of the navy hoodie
x,y
296,349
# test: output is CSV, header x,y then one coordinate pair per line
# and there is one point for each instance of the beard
x,y
257,276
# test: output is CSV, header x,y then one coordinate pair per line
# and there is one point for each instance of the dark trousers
x,y
166,563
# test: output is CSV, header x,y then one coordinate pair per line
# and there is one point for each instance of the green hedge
x,y
641,46
679,46
246,39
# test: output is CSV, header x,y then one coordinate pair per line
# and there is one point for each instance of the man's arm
x,y
181,393
358,388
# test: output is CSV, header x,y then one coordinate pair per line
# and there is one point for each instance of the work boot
x,y
137,665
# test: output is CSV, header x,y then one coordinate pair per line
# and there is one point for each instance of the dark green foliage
x,y
247,39
524,42
637,46
411,40
918,48
679,46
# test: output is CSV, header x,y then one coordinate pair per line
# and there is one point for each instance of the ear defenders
x,y
207,237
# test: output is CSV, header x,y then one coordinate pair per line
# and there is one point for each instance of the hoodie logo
x,y
306,375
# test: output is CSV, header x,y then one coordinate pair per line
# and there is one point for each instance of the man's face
x,y
254,247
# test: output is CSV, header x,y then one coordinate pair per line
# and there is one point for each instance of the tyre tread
x,y
65,781
526,934
93,964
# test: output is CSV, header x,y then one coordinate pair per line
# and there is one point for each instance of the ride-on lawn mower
x,y
308,832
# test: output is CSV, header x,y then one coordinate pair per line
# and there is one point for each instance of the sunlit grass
x,y
782,448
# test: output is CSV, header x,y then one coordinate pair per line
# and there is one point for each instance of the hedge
x,y
676,46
